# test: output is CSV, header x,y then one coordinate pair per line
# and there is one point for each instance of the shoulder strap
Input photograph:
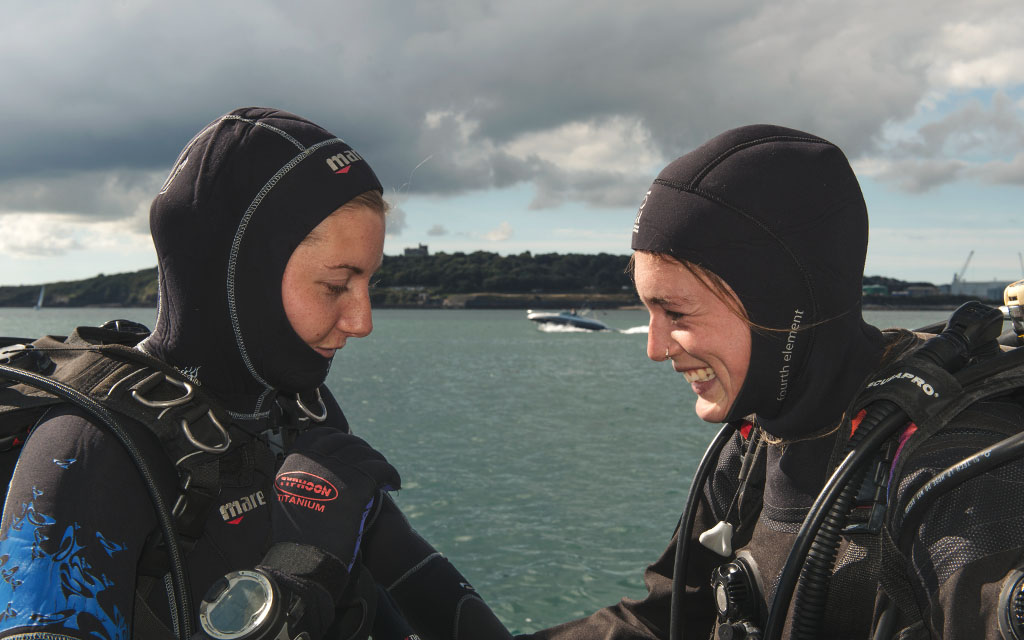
x,y
987,380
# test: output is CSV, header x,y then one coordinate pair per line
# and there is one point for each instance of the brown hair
x,y
710,280
372,200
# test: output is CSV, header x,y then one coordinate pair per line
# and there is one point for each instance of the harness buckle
x,y
150,382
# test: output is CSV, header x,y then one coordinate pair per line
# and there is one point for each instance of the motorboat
x,y
571,318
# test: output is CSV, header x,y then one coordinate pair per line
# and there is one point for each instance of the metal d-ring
x,y
310,414
217,448
154,380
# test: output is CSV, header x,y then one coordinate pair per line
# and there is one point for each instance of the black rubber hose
x,y
879,423
812,592
707,464
178,571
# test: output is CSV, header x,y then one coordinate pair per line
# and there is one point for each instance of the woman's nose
x,y
357,318
657,345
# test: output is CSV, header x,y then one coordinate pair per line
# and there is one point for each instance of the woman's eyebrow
x,y
355,269
667,302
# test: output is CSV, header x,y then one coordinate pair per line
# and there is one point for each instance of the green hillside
x,y
453,280
136,289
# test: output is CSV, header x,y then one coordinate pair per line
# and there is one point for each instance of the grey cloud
x,y
437,230
104,88
1011,172
99,195
930,158
919,175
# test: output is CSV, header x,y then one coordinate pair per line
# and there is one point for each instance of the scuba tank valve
x,y
1013,301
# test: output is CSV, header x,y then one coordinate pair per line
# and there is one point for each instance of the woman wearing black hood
x,y
268,230
749,257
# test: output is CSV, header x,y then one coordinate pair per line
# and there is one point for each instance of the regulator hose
x,y
179,575
877,426
685,529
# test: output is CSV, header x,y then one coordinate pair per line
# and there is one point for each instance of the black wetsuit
x,y
240,198
970,540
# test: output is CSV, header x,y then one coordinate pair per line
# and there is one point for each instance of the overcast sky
x,y
510,126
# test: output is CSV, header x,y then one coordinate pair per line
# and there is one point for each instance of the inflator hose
x,y
707,464
882,420
178,571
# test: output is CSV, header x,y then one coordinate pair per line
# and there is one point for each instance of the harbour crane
x,y
959,277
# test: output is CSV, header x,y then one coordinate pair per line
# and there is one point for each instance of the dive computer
x,y
246,605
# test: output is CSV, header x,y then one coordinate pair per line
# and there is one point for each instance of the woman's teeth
x,y
699,375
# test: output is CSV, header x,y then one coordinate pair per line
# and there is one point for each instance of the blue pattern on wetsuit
x,y
45,583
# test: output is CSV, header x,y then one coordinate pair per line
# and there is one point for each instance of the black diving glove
x,y
326,488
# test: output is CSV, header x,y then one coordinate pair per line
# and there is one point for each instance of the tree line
x,y
482,271
400,280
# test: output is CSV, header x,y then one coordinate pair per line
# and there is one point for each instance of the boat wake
x,y
641,329
566,328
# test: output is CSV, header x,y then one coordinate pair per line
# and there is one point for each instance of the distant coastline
x,y
478,280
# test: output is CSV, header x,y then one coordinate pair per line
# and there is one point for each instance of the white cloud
x,y
501,234
982,51
50,234
396,221
615,145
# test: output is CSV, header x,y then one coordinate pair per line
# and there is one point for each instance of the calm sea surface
x,y
551,468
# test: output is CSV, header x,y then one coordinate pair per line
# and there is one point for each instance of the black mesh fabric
x,y
724,483
978,520
964,525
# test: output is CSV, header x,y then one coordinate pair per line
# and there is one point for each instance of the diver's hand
x,y
325,490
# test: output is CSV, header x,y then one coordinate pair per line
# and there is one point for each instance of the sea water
x,y
550,467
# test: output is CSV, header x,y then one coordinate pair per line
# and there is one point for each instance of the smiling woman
x,y
702,330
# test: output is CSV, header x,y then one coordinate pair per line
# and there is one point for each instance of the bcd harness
x,y
98,370
926,387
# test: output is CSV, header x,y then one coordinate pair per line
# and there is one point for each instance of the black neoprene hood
x,y
241,196
779,216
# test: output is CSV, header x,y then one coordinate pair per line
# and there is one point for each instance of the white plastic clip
x,y
718,538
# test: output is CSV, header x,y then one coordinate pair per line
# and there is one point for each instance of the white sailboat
x,y
39,302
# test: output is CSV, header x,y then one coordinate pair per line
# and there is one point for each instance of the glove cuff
x,y
291,562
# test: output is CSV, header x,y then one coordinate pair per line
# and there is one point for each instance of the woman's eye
x,y
335,289
674,316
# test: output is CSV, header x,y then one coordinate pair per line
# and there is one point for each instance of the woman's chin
x,y
710,411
